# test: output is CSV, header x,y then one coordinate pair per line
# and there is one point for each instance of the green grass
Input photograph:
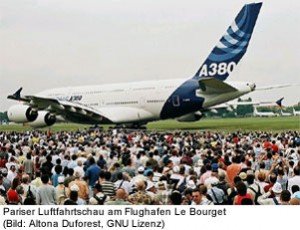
x,y
217,124
232,124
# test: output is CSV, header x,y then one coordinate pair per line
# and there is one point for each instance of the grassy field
x,y
227,125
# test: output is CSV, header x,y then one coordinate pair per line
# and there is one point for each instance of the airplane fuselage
x,y
161,99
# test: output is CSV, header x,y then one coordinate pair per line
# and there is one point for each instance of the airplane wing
x,y
275,86
214,86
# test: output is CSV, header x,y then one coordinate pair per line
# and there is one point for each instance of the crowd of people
x,y
125,167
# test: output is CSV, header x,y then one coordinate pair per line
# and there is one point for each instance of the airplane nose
x,y
252,86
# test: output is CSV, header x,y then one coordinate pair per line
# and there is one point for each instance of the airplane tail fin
x,y
279,102
232,46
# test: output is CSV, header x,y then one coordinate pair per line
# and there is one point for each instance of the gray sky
x,y
53,43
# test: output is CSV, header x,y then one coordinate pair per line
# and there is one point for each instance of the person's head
x,y
236,179
74,157
107,175
285,196
273,178
15,183
140,185
20,190
203,190
295,188
58,169
297,171
77,175
25,178
176,198
261,176
13,168
79,163
250,179
280,171
45,178
197,196
188,193
74,196
121,194
120,176
92,160
241,188
28,156
70,171
97,188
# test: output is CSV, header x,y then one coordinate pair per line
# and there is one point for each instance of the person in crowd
x,y
46,192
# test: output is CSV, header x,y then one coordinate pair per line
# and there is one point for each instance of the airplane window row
x,y
155,101
122,102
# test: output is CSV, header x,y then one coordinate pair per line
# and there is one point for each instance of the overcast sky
x,y
54,43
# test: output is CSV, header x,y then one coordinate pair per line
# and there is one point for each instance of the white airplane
x,y
140,102
295,112
263,114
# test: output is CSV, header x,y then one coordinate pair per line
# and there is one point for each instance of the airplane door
x,y
176,101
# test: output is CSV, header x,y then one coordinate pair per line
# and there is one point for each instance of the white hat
x,y
277,188
141,169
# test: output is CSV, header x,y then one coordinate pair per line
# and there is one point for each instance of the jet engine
x,y
26,114
44,119
22,113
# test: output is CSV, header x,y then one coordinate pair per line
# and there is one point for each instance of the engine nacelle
x,y
44,119
190,117
22,113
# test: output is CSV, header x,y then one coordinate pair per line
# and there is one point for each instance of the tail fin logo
x,y
232,46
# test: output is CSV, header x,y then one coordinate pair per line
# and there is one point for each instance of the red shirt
x,y
12,196
239,198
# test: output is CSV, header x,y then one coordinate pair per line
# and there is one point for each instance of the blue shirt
x,y
92,174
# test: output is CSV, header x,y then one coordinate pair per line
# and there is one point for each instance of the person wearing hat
x,y
216,194
61,191
162,195
83,192
265,200
73,197
139,176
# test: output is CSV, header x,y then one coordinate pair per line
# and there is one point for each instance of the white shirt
x,y
11,175
295,180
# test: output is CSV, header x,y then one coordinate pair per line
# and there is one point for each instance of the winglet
x,y
279,102
16,95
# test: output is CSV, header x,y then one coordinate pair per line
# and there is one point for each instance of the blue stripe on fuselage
x,y
183,100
